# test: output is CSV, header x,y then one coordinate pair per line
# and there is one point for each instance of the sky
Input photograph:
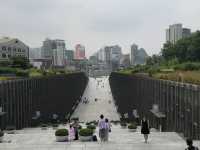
x,y
97,23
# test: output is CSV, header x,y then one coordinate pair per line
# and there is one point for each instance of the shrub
x,y
1,133
86,132
22,73
93,127
61,132
132,126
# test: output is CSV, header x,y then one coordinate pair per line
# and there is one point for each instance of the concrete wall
x,y
21,99
180,103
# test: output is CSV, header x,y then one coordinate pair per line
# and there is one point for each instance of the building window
x,y
3,55
9,56
19,50
9,49
14,49
4,48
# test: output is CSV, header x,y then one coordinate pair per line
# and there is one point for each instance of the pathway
x,y
98,88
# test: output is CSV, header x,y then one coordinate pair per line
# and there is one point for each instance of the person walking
x,y
76,126
102,128
108,129
71,133
189,142
145,128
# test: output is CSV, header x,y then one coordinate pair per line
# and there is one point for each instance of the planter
x,y
61,138
44,128
85,138
132,130
1,139
86,134
61,135
123,127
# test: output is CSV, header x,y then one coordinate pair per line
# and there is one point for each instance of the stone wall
x,y
20,99
177,104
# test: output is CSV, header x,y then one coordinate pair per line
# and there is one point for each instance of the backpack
x,y
94,138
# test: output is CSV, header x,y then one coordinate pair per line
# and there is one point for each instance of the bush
x,y
93,127
7,70
22,73
132,126
86,132
1,133
61,132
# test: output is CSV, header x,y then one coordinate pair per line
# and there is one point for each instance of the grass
x,y
192,77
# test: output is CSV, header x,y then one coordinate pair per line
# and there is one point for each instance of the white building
x,y
11,47
176,32
134,49
55,51
59,53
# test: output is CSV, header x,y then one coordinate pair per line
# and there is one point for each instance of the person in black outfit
x,y
145,128
190,145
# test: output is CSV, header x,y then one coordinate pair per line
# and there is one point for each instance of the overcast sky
x,y
96,23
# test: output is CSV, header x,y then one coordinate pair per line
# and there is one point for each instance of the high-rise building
x,y
54,50
69,56
35,53
176,32
125,60
79,52
138,56
134,49
116,53
11,47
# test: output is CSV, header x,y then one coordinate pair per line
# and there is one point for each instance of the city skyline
x,y
94,24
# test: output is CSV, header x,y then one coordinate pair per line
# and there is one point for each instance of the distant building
x,y
58,53
11,47
79,52
35,53
54,50
176,32
69,56
134,49
138,56
125,61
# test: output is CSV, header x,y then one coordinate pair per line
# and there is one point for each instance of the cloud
x,y
95,23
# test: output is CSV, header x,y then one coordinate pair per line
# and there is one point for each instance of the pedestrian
x,y
108,129
190,145
76,126
102,128
145,128
71,133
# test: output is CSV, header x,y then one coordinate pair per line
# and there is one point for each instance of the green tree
x,y
20,62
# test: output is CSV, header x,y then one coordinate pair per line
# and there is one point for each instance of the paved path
x,y
97,88
120,139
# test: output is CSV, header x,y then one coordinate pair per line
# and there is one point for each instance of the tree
x,y
20,62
